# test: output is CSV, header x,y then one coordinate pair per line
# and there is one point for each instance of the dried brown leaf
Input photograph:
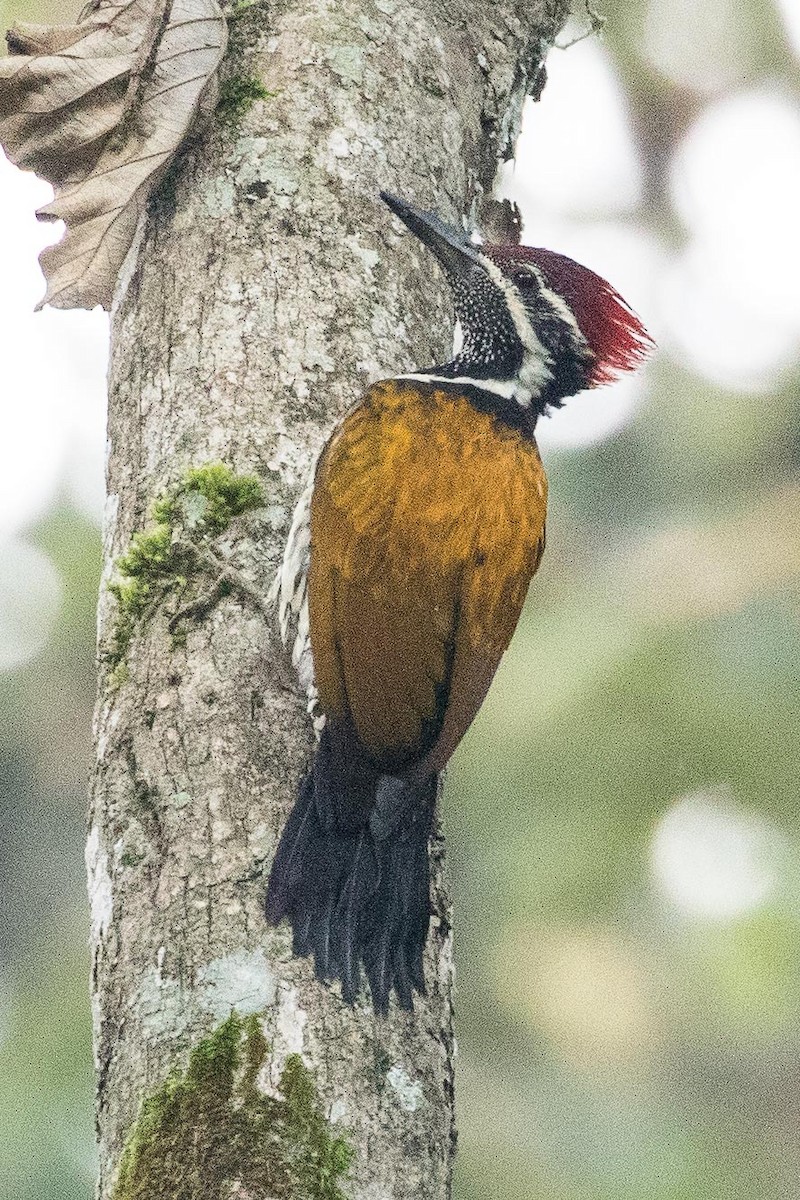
x,y
100,109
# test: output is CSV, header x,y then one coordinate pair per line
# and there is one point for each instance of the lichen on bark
x,y
210,1131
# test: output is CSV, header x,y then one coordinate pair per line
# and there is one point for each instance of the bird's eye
x,y
523,280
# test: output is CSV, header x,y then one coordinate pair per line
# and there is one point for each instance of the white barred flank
x,y
289,592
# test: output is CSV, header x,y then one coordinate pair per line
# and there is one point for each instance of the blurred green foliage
x,y
613,1046
46,1086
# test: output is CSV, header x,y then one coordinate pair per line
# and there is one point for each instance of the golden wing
x,y
427,524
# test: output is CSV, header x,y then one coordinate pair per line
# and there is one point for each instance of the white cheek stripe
x,y
557,303
535,371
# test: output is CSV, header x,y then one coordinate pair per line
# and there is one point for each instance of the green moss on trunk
x,y
210,1129
199,508
237,96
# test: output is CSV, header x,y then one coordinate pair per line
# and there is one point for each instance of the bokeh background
x,y
623,816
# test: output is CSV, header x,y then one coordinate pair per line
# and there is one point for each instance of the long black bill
x,y
451,246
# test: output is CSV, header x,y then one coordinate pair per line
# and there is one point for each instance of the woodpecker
x,y
404,576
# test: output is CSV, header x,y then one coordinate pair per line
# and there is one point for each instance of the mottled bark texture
x,y
268,287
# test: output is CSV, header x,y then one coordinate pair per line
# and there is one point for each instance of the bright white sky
x,y
727,304
790,11
52,418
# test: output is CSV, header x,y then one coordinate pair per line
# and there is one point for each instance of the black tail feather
x,y
291,851
357,895
301,934
352,914
394,947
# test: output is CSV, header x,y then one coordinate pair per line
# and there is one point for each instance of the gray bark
x,y
267,288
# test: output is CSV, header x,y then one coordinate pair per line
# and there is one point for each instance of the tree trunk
x,y
267,287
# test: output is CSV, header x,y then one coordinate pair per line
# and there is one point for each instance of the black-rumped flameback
x,y
405,572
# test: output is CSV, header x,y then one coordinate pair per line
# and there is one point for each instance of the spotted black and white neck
x,y
536,327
